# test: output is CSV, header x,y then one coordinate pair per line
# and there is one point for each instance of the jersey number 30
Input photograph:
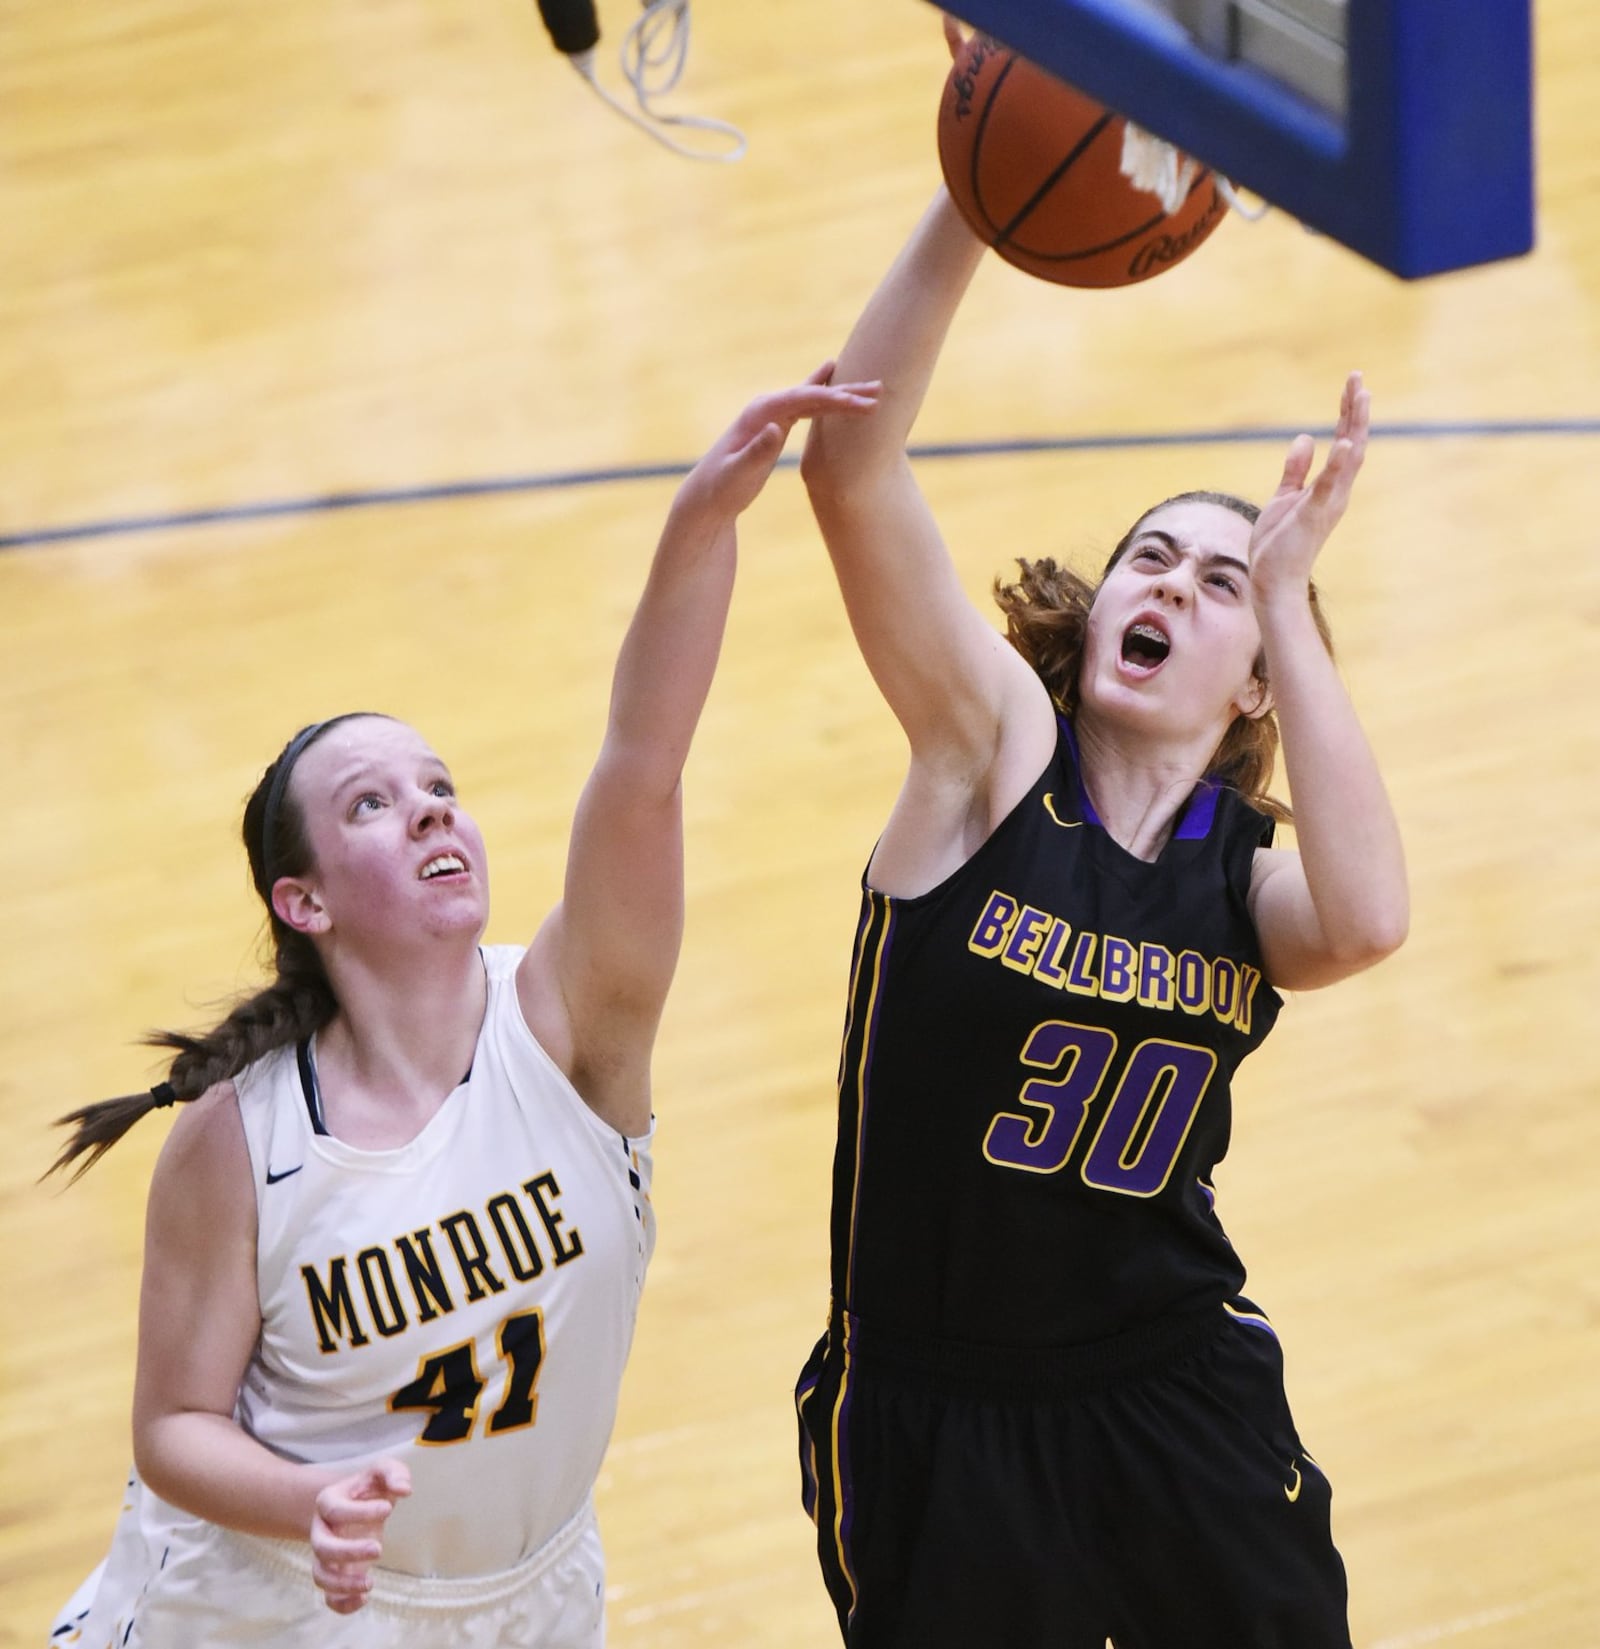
x,y
1143,1128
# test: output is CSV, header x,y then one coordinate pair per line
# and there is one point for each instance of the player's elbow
x,y
153,1457
1379,933
1353,942
1389,923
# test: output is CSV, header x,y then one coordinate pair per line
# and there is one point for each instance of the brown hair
x,y
1047,618
299,1000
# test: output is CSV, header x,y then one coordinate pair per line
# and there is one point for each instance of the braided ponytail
x,y
287,1011
299,1001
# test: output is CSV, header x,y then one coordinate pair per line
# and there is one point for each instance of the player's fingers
x,y
864,395
1297,464
1360,419
337,1506
1354,405
823,374
343,1589
1330,494
1339,474
353,1518
336,1549
763,447
379,1481
747,440
953,37
343,1599
336,1575
785,407
808,400
392,1479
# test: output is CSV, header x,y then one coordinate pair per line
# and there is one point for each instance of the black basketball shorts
x,y
1155,1493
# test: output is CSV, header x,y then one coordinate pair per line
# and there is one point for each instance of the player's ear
x,y
298,905
1255,701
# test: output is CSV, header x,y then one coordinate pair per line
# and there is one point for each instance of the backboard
x,y
1402,128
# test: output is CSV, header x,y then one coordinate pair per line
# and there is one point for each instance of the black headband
x,y
280,783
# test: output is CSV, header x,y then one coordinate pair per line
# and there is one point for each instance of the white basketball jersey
x,y
464,1303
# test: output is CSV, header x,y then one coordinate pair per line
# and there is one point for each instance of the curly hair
x,y
1047,619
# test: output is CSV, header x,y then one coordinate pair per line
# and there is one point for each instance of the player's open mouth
x,y
444,864
1144,647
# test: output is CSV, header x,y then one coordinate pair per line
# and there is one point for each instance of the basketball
x,y
1036,168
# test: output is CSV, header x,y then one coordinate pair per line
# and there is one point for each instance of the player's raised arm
x,y
611,946
947,675
1340,903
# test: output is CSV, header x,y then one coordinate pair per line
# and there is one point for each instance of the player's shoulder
x,y
206,1145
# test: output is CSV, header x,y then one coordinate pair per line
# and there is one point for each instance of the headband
x,y
280,784
275,792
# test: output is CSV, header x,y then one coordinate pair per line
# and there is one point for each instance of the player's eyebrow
x,y
1216,559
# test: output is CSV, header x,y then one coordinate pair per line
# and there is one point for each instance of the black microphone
x,y
572,24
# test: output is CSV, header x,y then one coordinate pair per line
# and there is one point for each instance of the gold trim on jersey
x,y
873,938
882,916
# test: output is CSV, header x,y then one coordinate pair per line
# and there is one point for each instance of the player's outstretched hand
x,y
736,468
347,1531
1298,518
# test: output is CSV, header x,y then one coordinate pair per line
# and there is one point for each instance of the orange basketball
x,y
1036,169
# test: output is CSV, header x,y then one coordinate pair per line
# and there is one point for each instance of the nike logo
x,y
1291,1491
1049,807
272,1178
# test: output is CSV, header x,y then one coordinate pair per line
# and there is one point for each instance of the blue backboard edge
x,y
1419,180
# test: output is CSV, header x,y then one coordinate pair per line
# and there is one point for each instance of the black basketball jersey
x,y
1034,1083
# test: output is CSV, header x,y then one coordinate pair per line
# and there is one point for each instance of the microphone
x,y
572,24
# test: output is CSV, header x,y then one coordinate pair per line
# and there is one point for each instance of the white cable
x,y
654,52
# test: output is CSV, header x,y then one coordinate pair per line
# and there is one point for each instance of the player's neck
x,y
1137,786
391,1057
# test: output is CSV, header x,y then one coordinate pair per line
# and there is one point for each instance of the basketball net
x,y
1161,169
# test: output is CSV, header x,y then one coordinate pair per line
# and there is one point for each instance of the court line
x,y
562,480
1462,1625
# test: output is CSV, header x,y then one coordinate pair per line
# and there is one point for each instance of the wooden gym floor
x,y
269,253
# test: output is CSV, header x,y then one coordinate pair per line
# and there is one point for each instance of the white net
x,y
1163,170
